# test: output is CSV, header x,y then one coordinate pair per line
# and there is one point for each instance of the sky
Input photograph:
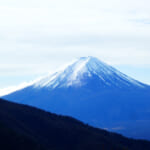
x,y
38,36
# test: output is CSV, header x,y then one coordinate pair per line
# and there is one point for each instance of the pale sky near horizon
x,y
37,36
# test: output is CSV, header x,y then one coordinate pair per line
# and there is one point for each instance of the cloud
x,y
38,36
5,91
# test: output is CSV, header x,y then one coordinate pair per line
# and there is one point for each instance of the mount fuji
x,y
93,92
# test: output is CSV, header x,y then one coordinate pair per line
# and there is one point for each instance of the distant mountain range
x,y
27,128
95,93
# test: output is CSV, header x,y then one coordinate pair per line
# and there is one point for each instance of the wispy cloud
x,y
38,36
10,89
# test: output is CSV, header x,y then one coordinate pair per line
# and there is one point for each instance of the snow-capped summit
x,y
78,73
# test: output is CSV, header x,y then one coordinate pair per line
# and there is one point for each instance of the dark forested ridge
x,y
28,128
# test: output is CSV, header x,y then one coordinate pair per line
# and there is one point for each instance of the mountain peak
x,y
89,64
89,60
85,70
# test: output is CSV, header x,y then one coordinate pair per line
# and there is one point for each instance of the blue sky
x,y
38,36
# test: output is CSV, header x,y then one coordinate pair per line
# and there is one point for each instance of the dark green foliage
x,y
28,128
12,140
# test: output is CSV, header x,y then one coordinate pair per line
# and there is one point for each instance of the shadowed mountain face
x,y
23,127
95,93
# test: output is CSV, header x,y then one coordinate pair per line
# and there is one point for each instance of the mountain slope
x,y
95,93
36,129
